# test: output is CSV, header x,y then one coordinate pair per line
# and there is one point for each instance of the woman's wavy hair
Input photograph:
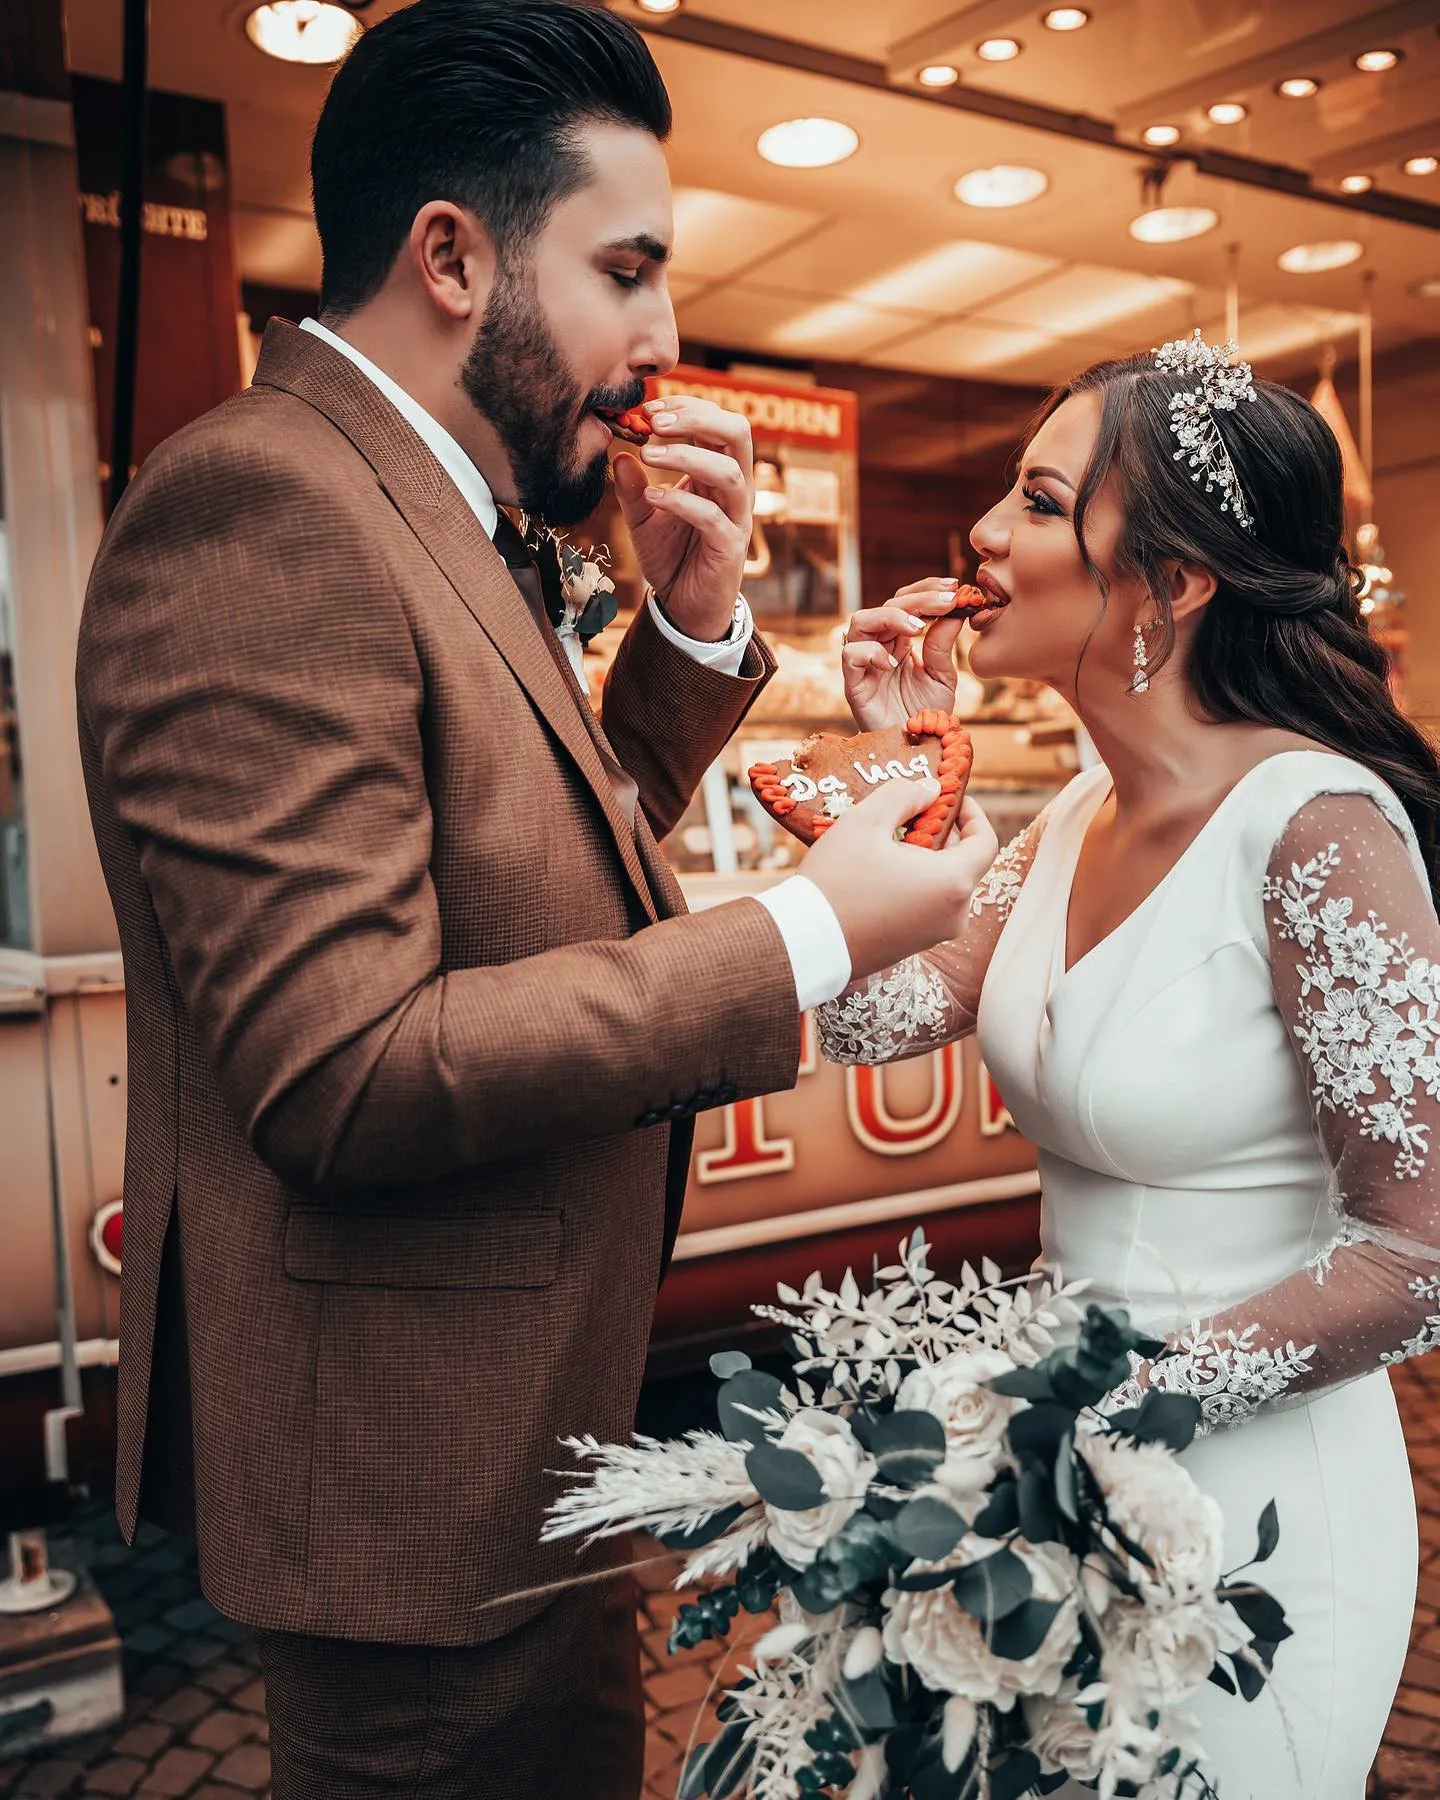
x,y
1283,641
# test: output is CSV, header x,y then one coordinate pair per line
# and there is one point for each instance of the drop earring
x,y
1141,682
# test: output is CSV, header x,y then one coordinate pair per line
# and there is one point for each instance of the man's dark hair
x,y
471,101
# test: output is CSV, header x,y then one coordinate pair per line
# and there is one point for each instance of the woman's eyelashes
x,y
1038,501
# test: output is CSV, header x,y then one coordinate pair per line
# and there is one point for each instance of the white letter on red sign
x,y
746,1150
877,1127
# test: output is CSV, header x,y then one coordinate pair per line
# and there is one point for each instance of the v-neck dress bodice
x,y
1155,1076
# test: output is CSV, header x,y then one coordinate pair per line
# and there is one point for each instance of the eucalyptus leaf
x,y
1021,1632
1249,1679
1051,1784
1269,1533
1039,1430
1015,1776
728,1762
1001,1512
1169,1419
1022,1384
1066,1497
929,1529
993,1587
692,1782
752,1388
725,1363
704,1533
1221,1679
908,1445
1039,1516
867,1702
1261,1612
784,1478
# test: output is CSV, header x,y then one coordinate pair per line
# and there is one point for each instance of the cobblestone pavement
x,y
194,1725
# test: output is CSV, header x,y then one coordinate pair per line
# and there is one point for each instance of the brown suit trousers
x,y
417,1022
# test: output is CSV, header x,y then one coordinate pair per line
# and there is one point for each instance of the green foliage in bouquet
x,y
986,1585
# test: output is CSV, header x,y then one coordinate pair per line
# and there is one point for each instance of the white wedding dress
x,y
1232,1098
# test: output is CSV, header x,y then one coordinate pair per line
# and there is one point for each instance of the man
x,y
418,1022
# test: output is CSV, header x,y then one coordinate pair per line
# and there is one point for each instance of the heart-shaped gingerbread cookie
x,y
826,775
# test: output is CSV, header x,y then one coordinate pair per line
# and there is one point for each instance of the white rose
x,y
1060,1735
932,1633
1160,1653
845,1469
973,1415
1153,1498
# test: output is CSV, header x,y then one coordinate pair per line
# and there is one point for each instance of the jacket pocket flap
x,y
411,1250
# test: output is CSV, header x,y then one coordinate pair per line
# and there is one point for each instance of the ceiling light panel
x,y
1173,224
965,348
840,262
716,234
1087,300
1004,184
764,318
1320,258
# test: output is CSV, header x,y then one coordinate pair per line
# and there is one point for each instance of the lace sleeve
x,y
1355,959
932,999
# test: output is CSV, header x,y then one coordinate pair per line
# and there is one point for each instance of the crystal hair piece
x,y
1221,381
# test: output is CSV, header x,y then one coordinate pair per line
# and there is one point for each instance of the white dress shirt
x,y
814,941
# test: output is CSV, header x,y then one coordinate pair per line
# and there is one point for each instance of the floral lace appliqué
x,y
1226,1371
1423,1287
1371,1030
890,1013
1001,886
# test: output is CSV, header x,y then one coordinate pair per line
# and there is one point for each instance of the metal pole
x,y
1232,296
1367,389
132,207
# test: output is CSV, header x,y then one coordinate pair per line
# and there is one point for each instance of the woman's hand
x,y
886,682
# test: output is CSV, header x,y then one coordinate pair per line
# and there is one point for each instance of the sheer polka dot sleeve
x,y
1354,949
932,999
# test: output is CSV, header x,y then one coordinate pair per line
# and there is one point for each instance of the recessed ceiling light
x,y
1161,135
1376,62
1297,87
302,31
808,143
1422,165
1006,184
1228,112
1356,184
1316,259
1066,18
1172,224
1429,289
658,6
1002,49
938,75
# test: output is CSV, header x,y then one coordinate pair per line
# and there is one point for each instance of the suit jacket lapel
x,y
433,508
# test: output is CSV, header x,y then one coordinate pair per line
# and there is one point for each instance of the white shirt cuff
x,y
726,656
814,942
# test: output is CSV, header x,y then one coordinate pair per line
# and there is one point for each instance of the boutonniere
x,y
587,591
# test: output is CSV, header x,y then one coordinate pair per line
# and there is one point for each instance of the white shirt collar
x,y
474,489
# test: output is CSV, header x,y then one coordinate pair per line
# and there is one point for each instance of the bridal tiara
x,y
1221,381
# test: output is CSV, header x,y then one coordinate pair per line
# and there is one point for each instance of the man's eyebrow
x,y
642,244
1054,475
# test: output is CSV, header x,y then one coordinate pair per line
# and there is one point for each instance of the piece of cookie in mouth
x,y
631,426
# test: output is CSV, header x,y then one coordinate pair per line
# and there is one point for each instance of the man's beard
x,y
518,377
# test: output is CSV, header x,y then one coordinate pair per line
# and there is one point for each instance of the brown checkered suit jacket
x,y
416,1020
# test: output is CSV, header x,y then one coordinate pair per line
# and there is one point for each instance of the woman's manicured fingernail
x,y
894,662
663,419
915,624
654,493
951,581
654,450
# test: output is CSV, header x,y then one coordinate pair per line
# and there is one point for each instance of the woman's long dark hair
x,y
1283,641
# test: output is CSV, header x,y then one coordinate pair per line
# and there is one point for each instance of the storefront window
x,y
14,882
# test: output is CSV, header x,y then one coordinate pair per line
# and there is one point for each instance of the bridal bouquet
x,y
985,1586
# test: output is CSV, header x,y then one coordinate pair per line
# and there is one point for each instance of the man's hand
x,y
691,538
885,682
895,899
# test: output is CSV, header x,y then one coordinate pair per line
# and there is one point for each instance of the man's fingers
x,y
710,520
718,474
706,424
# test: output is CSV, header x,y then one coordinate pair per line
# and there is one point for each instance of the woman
x,y
1207,982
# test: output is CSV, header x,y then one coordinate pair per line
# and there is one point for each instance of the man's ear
x,y
453,256
1191,588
